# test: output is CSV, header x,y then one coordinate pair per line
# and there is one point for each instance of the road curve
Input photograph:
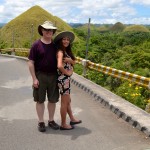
x,y
100,130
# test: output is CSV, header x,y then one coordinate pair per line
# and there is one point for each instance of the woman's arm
x,y
60,65
69,60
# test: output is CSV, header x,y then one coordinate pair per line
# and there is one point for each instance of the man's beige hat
x,y
46,25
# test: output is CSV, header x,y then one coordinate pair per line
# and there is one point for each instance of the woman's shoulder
x,y
59,51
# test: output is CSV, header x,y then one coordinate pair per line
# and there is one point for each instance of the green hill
x,y
136,28
22,30
84,27
103,28
117,27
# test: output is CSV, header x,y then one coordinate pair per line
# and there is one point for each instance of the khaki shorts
x,y
47,87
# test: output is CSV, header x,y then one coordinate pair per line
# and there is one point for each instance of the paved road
x,y
100,130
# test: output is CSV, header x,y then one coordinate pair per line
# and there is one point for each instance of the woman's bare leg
x,y
63,110
70,113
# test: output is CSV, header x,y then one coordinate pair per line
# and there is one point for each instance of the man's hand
x,y
36,83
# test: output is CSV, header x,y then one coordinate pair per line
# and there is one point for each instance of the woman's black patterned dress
x,y
64,80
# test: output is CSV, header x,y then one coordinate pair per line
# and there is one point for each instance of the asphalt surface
x,y
101,128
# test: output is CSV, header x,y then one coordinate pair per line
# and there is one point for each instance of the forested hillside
x,y
127,49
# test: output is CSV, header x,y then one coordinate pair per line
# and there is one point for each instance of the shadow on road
x,y
75,133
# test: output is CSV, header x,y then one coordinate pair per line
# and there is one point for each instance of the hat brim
x,y
63,34
40,27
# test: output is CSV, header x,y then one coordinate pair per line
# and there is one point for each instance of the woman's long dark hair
x,y
63,49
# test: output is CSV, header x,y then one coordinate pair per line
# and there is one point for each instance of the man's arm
x,y
32,72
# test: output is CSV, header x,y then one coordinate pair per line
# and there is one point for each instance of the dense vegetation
x,y
124,50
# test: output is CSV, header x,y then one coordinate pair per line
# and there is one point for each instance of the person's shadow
x,y
75,133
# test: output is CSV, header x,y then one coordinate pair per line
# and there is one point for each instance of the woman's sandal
x,y
63,128
74,123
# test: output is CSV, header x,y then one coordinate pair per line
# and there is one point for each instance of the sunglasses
x,y
48,30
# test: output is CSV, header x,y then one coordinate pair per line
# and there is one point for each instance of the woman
x,y
65,62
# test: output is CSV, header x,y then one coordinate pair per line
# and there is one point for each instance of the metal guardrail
x,y
140,80
14,49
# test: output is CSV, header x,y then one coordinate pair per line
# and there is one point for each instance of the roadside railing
x,y
139,80
15,51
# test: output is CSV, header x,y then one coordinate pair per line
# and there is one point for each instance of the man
x,y
43,69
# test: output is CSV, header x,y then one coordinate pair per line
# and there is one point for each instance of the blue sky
x,y
79,11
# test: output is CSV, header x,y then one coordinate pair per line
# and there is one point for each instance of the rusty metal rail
x,y
140,80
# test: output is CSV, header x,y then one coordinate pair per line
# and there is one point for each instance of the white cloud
x,y
78,10
125,11
140,20
143,2
1,8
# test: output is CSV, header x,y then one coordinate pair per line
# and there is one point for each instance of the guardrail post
x,y
84,64
13,51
